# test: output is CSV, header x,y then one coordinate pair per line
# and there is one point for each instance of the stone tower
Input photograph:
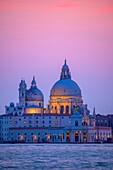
x,y
22,93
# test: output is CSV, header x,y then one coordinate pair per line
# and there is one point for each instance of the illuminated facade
x,y
65,119
65,94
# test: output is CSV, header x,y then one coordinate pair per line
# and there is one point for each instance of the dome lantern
x,y
33,83
65,73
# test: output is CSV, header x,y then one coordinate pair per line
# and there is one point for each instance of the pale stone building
x,y
65,119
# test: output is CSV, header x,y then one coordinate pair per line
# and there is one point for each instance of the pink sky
x,y
37,35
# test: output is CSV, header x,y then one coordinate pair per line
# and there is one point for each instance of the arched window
x,y
76,123
84,123
55,107
61,109
67,109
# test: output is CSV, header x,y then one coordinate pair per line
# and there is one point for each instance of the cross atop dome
x,y
33,83
65,73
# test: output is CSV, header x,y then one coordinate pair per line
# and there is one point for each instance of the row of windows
x,y
43,122
5,134
102,133
26,134
59,135
30,122
5,129
4,117
4,122
6,139
98,120
61,109
36,118
101,124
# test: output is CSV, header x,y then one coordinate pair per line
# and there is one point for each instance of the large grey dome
x,y
65,87
34,94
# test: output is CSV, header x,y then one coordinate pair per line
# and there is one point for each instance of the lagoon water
x,y
56,156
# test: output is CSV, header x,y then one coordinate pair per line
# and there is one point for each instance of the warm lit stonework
x,y
65,94
65,119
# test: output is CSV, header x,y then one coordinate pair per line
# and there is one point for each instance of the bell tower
x,y
22,92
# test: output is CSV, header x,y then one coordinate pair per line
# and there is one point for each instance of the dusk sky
x,y
37,35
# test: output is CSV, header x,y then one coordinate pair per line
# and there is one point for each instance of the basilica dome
x,y
34,94
65,86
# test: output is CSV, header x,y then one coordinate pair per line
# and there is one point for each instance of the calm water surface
x,y
56,156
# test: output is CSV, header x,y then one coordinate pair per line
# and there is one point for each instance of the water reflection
x,y
56,156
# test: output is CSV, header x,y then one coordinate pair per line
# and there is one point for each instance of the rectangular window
x,y
24,122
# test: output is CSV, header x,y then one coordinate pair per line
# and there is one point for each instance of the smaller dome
x,y
11,104
34,94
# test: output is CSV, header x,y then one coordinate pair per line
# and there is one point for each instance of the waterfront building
x,y
65,119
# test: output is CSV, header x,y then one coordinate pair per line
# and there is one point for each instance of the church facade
x,y
65,119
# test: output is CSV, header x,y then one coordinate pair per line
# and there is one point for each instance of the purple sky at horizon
x,y
36,36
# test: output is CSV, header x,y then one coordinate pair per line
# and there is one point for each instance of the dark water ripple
x,y
56,156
